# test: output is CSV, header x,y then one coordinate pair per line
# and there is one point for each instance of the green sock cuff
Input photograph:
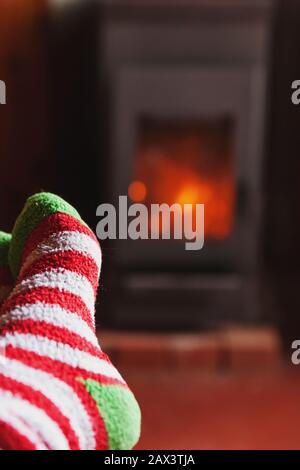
x,y
36,208
5,239
120,412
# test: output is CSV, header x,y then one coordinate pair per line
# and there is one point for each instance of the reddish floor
x,y
189,410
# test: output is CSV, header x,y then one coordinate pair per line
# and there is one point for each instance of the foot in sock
x,y
6,280
58,390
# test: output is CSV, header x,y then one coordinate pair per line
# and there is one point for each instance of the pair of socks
x,y
58,389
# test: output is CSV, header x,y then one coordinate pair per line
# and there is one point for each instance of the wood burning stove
x,y
186,97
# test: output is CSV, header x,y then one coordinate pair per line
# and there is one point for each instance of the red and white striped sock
x,y
58,389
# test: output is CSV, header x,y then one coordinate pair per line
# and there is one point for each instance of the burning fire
x,y
176,186
185,169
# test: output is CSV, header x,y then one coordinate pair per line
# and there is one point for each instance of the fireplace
x,y
186,94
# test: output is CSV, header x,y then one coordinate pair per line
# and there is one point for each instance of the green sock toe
x,y
5,239
120,412
36,208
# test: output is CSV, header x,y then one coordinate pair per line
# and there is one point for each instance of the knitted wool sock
x,y
6,280
58,390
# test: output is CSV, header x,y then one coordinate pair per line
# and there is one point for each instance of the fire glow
x,y
188,166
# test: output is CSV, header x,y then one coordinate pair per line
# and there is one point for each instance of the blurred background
x,y
176,101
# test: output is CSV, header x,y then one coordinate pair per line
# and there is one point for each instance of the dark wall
x,y
74,76
25,166
49,129
282,173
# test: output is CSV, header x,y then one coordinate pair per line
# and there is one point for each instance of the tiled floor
x,y
222,390
230,348
188,410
